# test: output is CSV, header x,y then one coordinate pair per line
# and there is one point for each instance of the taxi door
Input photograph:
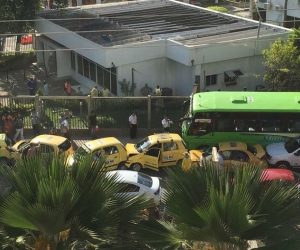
x,y
170,154
151,158
112,157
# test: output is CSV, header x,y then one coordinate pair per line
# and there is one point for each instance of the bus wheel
x,y
283,165
136,167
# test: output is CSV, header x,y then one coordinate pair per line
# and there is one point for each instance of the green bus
x,y
251,117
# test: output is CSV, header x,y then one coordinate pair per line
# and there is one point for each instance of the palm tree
x,y
209,207
64,208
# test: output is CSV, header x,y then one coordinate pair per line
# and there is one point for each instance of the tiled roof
x,y
110,25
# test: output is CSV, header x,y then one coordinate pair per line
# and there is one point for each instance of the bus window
x,y
293,126
270,125
251,125
224,124
239,125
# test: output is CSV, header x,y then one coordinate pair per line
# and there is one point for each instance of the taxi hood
x,y
131,149
260,152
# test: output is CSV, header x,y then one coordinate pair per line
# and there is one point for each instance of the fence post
x,y
89,104
149,112
80,109
37,103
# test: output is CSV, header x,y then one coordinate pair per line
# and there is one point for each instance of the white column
x,y
98,1
79,2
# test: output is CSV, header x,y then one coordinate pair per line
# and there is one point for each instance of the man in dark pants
x,y
93,124
32,86
35,120
133,125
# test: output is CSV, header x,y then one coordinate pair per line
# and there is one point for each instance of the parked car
x,y
111,148
270,174
5,144
47,146
284,154
136,183
235,154
155,151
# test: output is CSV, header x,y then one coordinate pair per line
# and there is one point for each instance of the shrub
x,y
217,8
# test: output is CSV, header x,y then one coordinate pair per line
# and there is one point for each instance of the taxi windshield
x,y
143,145
83,150
65,146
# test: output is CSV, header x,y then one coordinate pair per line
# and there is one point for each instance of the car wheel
x,y
122,166
3,161
179,162
282,165
136,167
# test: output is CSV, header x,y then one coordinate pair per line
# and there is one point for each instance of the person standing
x,y
105,92
68,88
220,159
35,120
166,122
186,162
93,124
19,124
133,125
32,86
65,129
94,92
45,89
79,92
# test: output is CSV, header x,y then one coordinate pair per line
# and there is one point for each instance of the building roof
x,y
133,22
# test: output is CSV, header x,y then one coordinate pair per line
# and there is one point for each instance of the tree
x,y
282,62
208,207
64,208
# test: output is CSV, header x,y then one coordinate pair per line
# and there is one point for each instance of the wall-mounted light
x,y
192,62
113,65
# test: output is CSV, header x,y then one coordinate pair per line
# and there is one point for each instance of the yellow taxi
x,y
46,145
110,148
155,151
234,154
5,144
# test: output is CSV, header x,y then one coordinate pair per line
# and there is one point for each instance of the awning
x,y
230,74
233,73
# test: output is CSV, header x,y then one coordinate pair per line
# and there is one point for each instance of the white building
x,y
170,44
273,11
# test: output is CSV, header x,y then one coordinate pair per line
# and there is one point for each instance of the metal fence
x,y
112,112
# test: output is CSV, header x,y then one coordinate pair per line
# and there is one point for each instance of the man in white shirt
x,y
166,123
133,125
65,128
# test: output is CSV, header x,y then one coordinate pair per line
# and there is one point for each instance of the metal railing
x,y
112,112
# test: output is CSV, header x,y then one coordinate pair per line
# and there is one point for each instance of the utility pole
x,y
285,24
251,9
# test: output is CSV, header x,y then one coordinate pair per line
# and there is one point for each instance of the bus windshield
x,y
250,117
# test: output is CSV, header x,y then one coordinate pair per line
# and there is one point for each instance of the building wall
x,y
251,67
274,15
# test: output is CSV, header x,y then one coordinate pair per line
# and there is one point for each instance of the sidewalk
x,y
17,76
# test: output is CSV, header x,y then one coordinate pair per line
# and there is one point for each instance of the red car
x,y
270,174
26,39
